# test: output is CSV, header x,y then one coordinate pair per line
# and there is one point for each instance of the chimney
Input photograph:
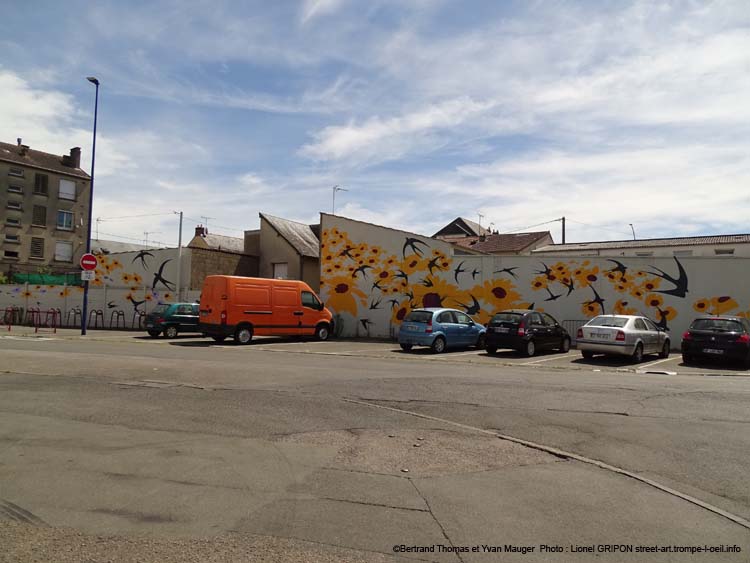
x,y
75,157
201,231
22,149
19,140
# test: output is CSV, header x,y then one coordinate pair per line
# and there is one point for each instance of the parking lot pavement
x,y
367,348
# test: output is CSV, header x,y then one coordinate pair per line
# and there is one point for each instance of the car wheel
x,y
637,356
243,335
154,333
480,342
405,347
219,338
322,332
171,331
491,350
438,345
530,349
664,350
565,345
687,359
587,355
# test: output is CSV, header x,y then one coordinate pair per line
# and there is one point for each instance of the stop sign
x,y
88,262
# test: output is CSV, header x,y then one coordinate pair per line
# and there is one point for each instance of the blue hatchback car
x,y
440,328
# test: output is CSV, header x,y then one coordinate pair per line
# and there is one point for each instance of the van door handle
x,y
299,313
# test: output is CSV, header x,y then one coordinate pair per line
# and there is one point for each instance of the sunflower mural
x,y
368,285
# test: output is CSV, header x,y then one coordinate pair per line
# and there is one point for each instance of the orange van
x,y
243,307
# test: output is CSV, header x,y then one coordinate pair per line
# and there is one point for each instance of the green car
x,y
172,319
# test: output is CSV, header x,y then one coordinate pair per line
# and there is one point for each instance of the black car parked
x,y
717,338
526,331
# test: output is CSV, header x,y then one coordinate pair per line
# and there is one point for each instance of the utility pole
x,y
146,233
205,221
480,221
179,259
335,189
563,229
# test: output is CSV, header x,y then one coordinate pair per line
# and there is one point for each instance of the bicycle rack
x,y
12,315
52,318
33,316
140,315
76,312
115,317
98,315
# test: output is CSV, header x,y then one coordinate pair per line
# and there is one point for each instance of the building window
x,y
14,205
723,251
280,271
39,216
63,251
13,221
11,254
41,184
65,220
37,247
15,171
15,239
15,189
67,190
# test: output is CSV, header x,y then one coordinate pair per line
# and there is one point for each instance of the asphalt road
x,y
122,448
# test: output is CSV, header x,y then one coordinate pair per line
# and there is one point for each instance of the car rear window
x,y
507,318
159,309
618,322
419,317
718,325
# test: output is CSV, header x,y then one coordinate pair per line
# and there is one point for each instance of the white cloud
x,y
315,8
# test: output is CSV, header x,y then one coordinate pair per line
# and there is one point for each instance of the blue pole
x,y
84,312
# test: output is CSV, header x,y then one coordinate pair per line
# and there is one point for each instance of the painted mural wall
x,y
127,286
371,277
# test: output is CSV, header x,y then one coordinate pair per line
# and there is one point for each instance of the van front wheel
x,y
322,332
243,335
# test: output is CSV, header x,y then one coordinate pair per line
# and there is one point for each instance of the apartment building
x,y
44,202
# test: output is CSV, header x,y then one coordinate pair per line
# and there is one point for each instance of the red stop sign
x,y
88,262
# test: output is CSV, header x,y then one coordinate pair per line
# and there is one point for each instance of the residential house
x,y
510,244
44,209
218,254
459,228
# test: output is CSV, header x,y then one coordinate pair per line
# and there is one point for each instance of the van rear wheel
x,y
322,332
243,335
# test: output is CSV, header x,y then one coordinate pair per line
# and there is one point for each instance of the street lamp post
x,y
335,189
84,312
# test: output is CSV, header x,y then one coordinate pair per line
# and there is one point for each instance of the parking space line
x,y
546,359
644,366
454,354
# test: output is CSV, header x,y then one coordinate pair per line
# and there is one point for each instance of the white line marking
x,y
546,359
450,355
644,366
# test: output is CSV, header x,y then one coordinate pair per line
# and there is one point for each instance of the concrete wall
x,y
127,285
371,277
275,249
206,262
311,273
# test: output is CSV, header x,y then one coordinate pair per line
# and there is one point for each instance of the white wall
x,y
373,300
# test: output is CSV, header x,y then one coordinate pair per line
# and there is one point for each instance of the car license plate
x,y
712,351
600,335
502,329
412,328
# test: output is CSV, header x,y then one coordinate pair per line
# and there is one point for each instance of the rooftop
x,y
23,155
646,243
495,243
299,235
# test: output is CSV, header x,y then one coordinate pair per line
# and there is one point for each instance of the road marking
x,y
453,355
569,455
545,359
644,366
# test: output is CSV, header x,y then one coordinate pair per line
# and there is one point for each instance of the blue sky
x,y
607,113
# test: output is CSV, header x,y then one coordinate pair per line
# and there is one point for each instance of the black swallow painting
x,y
546,271
507,271
394,303
376,285
111,305
458,270
474,273
135,303
597,299
472,309
347,252
432,264
552,296
142,257
362,269
427,282
619,267
680,283
401,274
570,286
412,244
159,277
374,304
366,324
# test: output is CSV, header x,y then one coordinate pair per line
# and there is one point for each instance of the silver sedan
x,y
622,335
